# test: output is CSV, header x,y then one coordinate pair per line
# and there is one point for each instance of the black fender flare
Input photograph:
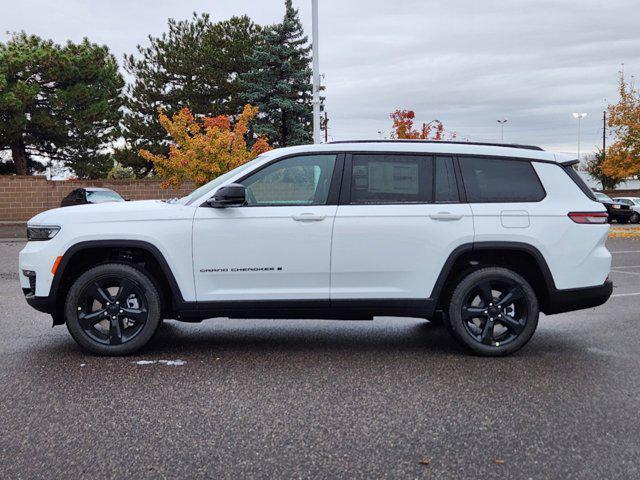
x,y
52,302
490,245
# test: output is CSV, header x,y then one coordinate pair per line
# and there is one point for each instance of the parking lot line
x,y
625,294
628,273
626,266
626,251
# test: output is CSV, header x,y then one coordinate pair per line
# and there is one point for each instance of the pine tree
x,y
279,82
195,65
58,102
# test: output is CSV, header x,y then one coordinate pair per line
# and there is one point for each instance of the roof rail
x,y
487,144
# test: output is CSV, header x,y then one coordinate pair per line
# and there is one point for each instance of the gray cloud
x,y
464,62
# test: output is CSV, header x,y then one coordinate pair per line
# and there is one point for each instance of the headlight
x,y
44,232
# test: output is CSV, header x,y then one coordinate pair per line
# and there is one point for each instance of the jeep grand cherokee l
x,y
482,236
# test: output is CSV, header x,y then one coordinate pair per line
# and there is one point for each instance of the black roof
x,y
453,142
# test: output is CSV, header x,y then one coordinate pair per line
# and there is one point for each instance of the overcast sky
x,y
465,62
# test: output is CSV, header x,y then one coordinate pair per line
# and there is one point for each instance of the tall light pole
x,y
502,122
579,116
317,137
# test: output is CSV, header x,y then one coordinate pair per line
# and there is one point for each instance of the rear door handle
x,y
446,216
308,217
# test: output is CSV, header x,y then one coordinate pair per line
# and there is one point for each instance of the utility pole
x,y
325,126
316,73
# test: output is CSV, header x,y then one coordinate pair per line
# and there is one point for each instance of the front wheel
x,y
493,312
112,309
635,218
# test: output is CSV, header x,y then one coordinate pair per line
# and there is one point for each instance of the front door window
x,y
294,181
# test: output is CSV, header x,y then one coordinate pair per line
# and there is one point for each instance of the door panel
x,y
394,251
262,253
395,243
278,246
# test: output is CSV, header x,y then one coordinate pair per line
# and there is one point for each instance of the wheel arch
x,y
523,258
82,255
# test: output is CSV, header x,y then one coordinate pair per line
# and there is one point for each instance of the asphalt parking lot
x,y
324,399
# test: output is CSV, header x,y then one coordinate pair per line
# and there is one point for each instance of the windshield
x,y
102,196
602,197
216,182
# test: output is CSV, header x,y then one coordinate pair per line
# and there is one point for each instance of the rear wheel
x,y
493,312
112,309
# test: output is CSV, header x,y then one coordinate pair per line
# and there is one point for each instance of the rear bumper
x,y
579,298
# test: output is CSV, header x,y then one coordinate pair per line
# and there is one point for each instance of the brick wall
x,y
622,193
22,197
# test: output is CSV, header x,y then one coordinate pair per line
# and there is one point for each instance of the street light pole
x,y
579,116
317,137
604,134
502,122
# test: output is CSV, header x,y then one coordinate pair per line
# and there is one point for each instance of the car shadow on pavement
x,y
303,335
408,337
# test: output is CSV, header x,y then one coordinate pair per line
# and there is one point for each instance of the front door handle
x,y
308,217
446,216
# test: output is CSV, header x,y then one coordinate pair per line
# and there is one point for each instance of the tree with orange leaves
x,y
403,127
204,147
623,156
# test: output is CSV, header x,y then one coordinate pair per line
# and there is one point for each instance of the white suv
x,y
481,237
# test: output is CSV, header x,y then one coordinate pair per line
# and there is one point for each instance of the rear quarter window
x,y
492,180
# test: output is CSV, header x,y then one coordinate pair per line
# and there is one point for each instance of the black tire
x,y
635,218
113,309
516,316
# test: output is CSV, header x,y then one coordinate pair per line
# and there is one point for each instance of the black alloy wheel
x,y
113,309
493,311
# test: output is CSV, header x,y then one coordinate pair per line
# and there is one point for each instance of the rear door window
x,y
493,180
389,178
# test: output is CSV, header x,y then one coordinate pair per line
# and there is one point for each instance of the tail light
x,y
589,217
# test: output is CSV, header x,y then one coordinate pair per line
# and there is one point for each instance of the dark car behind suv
x,y
617,211
83,196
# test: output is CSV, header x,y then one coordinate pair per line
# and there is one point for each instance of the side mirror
x,y
232,195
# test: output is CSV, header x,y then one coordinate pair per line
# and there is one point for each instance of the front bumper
x,y
42,304
579,298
